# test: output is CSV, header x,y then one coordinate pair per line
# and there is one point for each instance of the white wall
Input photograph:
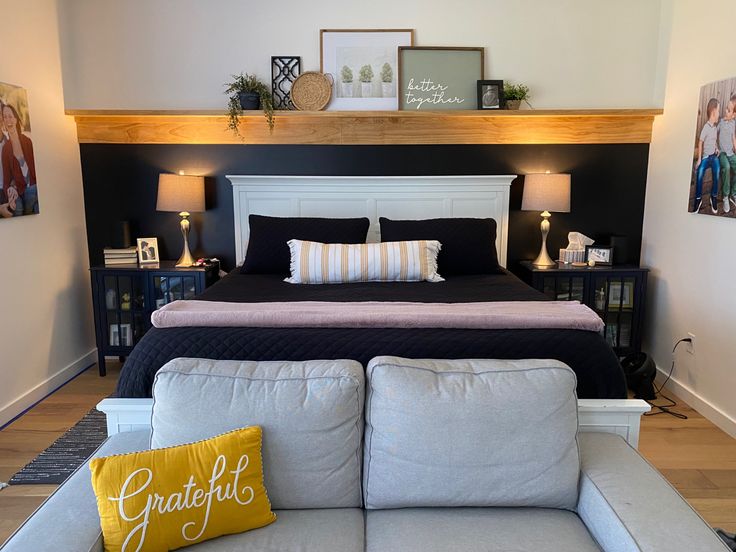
x,y
176,54
46,329
693,281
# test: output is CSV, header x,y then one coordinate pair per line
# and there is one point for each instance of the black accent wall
x,y
120,183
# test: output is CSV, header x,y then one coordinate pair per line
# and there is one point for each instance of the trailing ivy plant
x,y
366,73
387,74
243,84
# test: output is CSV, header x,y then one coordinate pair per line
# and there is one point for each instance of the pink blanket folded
x,y
374,314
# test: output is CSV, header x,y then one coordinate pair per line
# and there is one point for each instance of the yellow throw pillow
x,y
164,499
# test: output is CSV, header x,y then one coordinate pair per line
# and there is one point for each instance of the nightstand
x,y
616,293
124,296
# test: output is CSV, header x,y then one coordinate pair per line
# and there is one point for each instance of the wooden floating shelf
x,y
591,126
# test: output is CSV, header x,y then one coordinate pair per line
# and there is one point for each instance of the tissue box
x,y
568,256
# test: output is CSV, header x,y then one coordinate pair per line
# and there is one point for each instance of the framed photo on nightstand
x,y
600,254
147,250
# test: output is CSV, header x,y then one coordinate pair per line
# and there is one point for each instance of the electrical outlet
x,y
690,347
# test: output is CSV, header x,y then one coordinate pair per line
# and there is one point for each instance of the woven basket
x,y
311,91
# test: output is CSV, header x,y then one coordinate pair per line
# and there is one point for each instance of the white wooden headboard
x,y
395,197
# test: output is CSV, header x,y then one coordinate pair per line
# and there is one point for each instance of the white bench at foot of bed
x,y
620,416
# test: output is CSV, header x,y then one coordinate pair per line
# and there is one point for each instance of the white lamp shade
x,y
178,192
546,192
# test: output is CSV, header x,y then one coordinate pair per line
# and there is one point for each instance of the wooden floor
x,y
697,457
24,439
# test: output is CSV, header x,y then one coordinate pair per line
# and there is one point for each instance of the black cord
x,y
665,408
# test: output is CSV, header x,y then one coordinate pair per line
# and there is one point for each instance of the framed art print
x,y
439,78
364,66
490,94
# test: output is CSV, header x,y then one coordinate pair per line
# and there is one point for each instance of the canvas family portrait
x,y
19,192
713,181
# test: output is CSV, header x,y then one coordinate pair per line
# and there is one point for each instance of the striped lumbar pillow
x,y
335,263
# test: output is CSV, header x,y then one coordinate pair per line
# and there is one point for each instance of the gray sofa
x,y
408,455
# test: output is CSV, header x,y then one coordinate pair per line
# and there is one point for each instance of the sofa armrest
x,y
628,506
68,521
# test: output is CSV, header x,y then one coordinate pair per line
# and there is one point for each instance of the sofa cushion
x,y
332,530
470,433
311,414
476,530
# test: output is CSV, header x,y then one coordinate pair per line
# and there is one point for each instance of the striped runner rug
x,y
55,464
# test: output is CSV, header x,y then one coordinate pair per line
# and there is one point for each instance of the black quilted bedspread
x,y
597,367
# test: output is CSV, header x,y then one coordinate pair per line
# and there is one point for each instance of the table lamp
x,y
546,192
182,194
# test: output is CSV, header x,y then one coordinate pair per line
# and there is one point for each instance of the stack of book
x,y
128,255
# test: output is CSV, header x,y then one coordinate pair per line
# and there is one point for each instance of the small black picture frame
x,y
601,254
490,94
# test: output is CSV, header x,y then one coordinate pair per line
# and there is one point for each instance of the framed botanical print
x,y
364,66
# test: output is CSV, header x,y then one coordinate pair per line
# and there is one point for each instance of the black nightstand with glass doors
x,y
124,296
617,293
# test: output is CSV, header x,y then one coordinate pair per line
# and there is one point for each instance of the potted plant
x,y
366,81
387,77
247,92
346,78
514,94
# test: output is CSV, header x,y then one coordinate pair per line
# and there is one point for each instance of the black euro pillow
x,y
268,252
468,244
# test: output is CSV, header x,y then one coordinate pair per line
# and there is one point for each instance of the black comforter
x,y
598,370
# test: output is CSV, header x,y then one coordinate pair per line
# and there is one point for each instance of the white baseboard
x,y
703,406
46,387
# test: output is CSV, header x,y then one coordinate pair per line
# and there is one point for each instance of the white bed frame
x,y
397,197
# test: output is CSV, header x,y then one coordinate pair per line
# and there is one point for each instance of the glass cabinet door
x,y
565,288
614,300
168,288
124,307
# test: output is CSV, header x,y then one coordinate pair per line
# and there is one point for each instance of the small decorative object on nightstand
x,y
616,293
546,192
599,254
125,296
182,194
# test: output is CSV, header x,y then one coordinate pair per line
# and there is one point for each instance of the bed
x,y
597,368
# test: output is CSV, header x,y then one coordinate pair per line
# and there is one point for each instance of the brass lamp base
x,y
543,260
186,259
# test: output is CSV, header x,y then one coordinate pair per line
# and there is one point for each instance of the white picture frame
x,y
354,49
147,250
